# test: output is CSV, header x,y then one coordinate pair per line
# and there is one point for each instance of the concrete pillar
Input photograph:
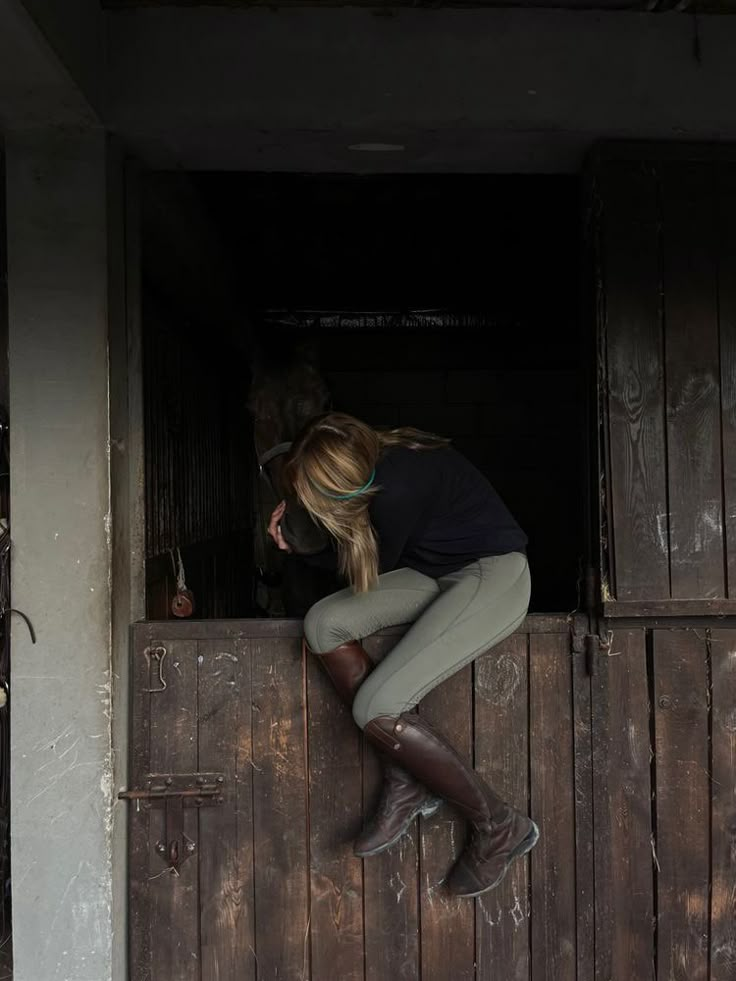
x,y
61,762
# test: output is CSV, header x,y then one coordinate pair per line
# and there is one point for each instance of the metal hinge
x,y
589,645
588,639
177,791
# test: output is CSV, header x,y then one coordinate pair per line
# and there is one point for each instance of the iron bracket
x,y
175,791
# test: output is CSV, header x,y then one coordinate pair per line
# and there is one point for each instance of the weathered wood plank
x,y
280,811
672,608
447,923
335,798
723,806
140,843
726,183
584,835
553,934
693,382
682,794
624,937
633,331
390,884
535,623
225,846
502,757
174,895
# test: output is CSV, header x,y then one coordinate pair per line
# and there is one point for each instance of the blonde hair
x,y
331,468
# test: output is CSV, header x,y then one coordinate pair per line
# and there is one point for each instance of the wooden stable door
x,y
663,245
249,780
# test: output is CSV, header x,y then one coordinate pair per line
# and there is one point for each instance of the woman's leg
x,y
334,624
473,609
399,597
331,629
478,607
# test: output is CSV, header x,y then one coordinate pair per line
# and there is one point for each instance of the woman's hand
x,y
274,528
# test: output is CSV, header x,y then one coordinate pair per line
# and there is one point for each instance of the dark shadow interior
x,y
451,303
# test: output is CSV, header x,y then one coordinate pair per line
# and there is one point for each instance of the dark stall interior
x,y
450,303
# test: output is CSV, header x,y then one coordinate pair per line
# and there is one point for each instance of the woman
x,y
422,538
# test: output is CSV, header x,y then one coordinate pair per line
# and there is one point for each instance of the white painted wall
x,y
61,570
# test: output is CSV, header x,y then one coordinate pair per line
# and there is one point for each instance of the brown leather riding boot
x,y
402,797
499,833
347,666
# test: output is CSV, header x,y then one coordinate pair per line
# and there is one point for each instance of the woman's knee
x,y
324,630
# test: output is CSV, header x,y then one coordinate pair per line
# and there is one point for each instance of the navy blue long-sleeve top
x,y
435,512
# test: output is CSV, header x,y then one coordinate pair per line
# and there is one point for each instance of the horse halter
x,y
296,517
265,458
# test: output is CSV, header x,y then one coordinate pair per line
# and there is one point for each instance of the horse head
x,y
287,390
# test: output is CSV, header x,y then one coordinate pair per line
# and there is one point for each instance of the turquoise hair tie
x,y
345,497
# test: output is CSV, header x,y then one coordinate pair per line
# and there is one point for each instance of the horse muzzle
x,y
301,532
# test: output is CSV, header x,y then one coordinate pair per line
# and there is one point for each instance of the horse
x,y
287,389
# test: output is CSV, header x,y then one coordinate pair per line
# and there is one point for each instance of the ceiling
x,y
683,6
442,91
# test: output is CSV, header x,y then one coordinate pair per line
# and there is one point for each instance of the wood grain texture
x,y
447,922
726,237
535,623
682,834
226,893
693,382
174,895
671,608
723,806
553,935
390,883
635,381
280,819
502,757
335,798
274,892
624,882
584,818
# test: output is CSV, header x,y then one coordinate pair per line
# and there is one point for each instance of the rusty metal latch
x,y
177,791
